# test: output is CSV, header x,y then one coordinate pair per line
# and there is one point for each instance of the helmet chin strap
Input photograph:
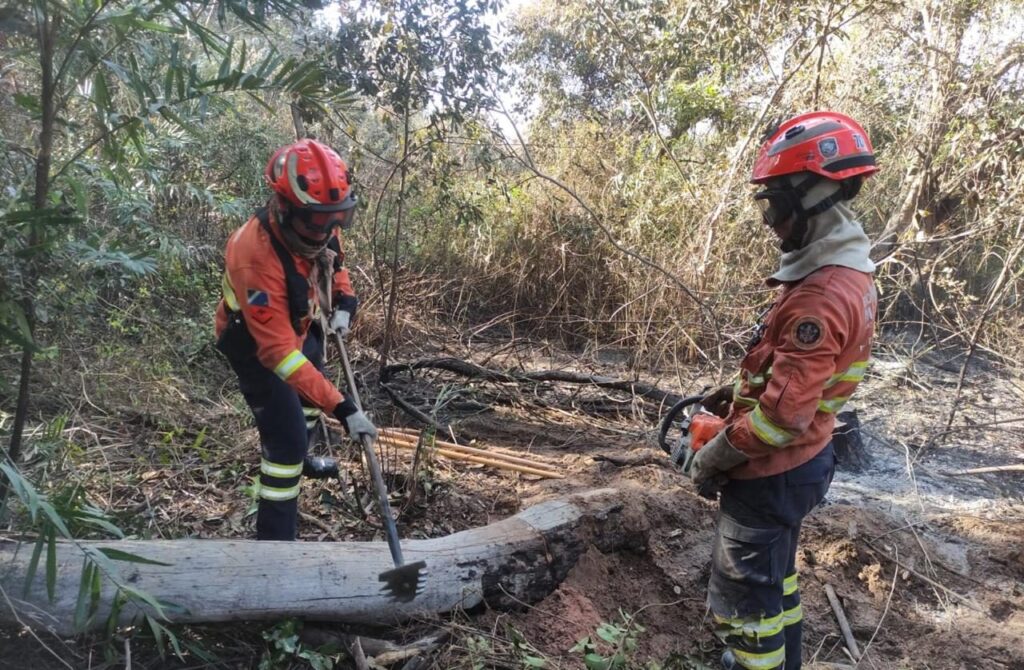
x,y
795,241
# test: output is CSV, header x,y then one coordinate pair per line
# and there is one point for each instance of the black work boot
x,y
319,467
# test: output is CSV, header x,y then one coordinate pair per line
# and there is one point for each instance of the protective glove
x,y
718,401
344,314
354,420
711,464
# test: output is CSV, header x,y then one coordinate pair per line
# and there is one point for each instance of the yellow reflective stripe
x,y
276,493
744,401
790,585
229,293
766,661
290,364
793,615
280,470
751,628
767,431
854,373
311,411
832,405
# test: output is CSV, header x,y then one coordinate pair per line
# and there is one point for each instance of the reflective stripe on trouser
x,y
792,611
281,423
312,415
753,593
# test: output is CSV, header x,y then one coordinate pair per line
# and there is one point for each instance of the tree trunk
x,y
519,559
47,28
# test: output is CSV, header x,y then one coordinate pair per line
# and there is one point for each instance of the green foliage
x,y
612,645
60,516
285,649
411,56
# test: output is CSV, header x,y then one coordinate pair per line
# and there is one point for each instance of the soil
x,y
928,565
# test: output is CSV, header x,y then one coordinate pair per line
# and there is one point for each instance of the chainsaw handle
x,y
666,423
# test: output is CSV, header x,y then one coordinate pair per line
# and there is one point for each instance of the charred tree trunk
x,y
519,559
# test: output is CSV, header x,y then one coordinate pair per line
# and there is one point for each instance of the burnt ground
x,y
927,561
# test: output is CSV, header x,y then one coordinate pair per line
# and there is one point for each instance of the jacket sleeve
x,y
264,301
811,337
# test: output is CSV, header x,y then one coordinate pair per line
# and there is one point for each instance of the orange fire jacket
x,y
254,283
813,351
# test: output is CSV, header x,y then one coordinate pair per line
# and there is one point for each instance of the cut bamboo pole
x,y
487,453
472,458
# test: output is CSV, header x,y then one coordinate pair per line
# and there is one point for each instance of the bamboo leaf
x,y
33,564
146,598
115,613
95,588
82,602
51,562
103,524
118,555
158,636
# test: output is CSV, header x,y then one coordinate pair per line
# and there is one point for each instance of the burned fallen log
x,y
474,371
516,560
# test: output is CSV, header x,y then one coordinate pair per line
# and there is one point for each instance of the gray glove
x,y
711,463
718,401
344,314
354,420
340,321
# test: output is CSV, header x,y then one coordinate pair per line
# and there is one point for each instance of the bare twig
x,y
1019,467
844,625
967,602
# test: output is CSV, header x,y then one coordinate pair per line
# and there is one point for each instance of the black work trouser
x,y
754,594
283,420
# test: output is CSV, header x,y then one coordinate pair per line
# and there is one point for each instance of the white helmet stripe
x,y
306,198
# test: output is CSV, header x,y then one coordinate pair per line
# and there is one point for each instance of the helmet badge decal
x,y
828,147
859,141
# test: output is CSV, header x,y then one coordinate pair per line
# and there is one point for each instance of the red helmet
x,y
827,143
311,176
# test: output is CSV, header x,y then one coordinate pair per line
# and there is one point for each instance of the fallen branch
x,y
994,468
474,371
649,457
844,625
412,411
381,652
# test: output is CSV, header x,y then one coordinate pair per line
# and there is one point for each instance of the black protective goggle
x,y
344,216
777,204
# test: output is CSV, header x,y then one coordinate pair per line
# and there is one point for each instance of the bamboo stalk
x,y
495,463
489,453
410,443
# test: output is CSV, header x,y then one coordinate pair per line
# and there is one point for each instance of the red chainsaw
x,y
696,426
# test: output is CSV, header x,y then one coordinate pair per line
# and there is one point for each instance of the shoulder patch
x,y
807,332
257,298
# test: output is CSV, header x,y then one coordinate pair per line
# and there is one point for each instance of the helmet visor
x,y
317,223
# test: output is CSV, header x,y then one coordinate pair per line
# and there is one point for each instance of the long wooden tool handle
x,y
391,531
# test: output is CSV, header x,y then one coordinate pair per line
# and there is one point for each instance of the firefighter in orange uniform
x,y
283,269
773,463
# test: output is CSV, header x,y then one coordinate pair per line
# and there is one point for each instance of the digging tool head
x,y
405,582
